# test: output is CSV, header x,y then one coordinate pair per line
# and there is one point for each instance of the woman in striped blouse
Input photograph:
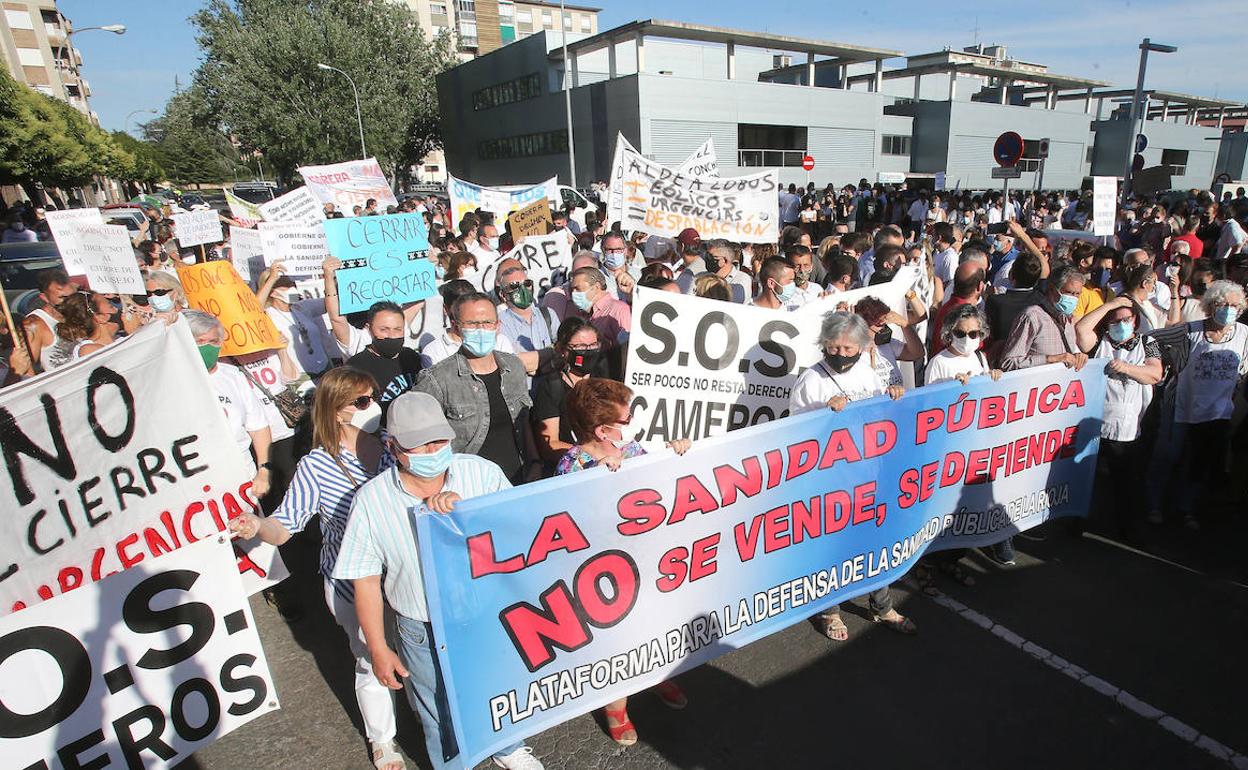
x,y
347,451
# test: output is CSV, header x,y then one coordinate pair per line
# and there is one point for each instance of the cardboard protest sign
x,y
611,582
699,367
1104,204
384,258
103,253
349,184
500,201
533,219
301,248
114,459
216,288
663,202
246,253
703,161
298,206
244,212
193,228
547,260
110,662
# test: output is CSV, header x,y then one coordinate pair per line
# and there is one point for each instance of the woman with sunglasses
x,y
598,413
164,298
963,333
347,451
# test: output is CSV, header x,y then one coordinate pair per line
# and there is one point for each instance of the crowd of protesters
x,y
482,387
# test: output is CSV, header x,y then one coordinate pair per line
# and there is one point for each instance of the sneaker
x,y
520,759
1002,553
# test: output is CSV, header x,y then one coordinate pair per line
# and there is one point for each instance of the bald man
x,y
968,286
558,300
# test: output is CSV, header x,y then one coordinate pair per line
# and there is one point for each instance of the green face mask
x,y
521,296
209,353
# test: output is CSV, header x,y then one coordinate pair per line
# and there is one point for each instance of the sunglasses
x,y
973,333
363,401
510,287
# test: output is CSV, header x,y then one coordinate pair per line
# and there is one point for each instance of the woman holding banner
x,y
348,451
598,413
846,375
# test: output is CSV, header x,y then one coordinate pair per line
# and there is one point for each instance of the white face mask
x,y
368,419
491,244
964,345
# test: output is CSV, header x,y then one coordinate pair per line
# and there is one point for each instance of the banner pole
x,y
203,253
18,334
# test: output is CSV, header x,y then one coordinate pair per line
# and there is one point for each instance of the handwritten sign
x,y
243,211
533,219
299,207
546,258
349,184
63,223
384,259
703,161
1104,204
194,228
246,252
215,287
105,256
301,248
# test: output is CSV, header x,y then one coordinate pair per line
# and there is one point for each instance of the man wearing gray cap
x,y
380,539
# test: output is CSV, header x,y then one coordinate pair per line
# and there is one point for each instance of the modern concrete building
x,y
769,100
38,51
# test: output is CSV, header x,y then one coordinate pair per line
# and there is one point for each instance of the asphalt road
x,y
1087,654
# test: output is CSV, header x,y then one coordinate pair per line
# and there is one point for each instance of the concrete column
x,y
878,82
1087,101
918,82
1221,115
611,60
1005,87
810,69
842,75
641,53
1100,103
1165,110
953,84
576,74
732,60
1050,98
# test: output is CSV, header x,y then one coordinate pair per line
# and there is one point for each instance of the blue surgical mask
x,y
161,303
1121,331
1066,304
479,342
430,465
1225,316
439,271
613,261
581,300
785,292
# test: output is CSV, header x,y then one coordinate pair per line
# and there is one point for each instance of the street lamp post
x,y
116,29
1146,46
567,94
359,117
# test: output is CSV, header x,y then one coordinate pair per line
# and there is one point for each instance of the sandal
x,y
899,623
831,626
926,580
957,574
387,757
622,732
672,696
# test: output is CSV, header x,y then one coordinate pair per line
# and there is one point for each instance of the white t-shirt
x,y
946,264
947,365
305,337
267,370
817,385
1207,384
443,347
243,410
1125,399
804,296
885,359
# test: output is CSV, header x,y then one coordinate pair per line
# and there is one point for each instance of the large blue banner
x,y
555,598
384,258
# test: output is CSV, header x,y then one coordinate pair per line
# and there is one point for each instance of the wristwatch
x,y
268,466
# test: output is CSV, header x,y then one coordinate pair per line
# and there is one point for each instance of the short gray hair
x,y
959,313
163,280
840,324
1220,292
1064,275
202,323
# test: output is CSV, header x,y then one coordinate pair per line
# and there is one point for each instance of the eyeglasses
x,y
973,333
477,324
510,287
363,401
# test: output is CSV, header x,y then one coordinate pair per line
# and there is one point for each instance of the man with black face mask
x,y
392,365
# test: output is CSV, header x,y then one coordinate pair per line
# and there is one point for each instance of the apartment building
x,y
39,52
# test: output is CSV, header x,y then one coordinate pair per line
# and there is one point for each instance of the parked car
x,y
20,264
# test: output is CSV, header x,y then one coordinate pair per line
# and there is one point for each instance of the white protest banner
x,y
246,252
112,676
298,207
663,202
1104,204
104,254
700,367
500,201
193,228
303,249
349,184
703,161
62,224
244,212
111,460
547,260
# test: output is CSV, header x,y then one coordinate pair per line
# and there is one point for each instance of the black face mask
x,y
840,364
884,336
584,361
388,347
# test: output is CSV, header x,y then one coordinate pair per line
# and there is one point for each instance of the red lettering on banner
x,y
557,532
641,511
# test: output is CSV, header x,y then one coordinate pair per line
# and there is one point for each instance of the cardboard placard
x,y
533,219
195,228
215,287
384,258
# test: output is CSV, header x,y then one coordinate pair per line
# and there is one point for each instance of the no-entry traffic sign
x,y
808,163
1008,149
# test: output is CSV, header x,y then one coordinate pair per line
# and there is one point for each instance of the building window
x,y
770,146
512,91
894,144
525,146
466,9
18,19
506,13
567,21
585,23
30,57
1176,161
437,9
1031,156
547,21
524,16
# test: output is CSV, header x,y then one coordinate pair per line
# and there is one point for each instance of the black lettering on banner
x,y
733,342
657,333
767,341
69,754
232,684
132,747
14,442
177,709
70,656
141,618
97,379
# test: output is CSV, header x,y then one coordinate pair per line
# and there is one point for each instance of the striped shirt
x,y
380,538
320,488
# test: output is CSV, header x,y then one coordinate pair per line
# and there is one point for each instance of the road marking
x,y
1120,696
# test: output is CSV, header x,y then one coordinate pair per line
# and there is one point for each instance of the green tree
x,y
261,80
145,169
188,147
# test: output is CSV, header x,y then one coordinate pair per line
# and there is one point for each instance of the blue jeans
x,y
427,693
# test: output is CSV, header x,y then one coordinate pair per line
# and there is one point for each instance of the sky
x,y
1099,40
